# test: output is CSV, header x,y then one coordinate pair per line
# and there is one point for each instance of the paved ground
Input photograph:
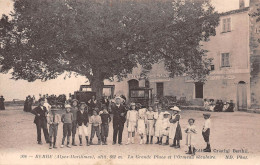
x,y
238,131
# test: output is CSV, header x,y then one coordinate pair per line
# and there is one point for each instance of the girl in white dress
x,y
131,122
191,136
158,124
150,124
141,123
166,127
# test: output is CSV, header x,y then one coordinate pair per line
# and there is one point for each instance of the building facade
x,y
234,72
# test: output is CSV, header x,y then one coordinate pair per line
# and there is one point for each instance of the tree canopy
x,y
104,39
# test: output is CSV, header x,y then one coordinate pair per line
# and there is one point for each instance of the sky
x,y
12,89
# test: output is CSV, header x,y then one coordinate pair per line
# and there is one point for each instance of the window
x,y
137,93
226,25
212,67
225,60
198,90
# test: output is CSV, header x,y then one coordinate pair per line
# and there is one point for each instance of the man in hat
x,y
74,111
53,120
119,113
40,120
206,131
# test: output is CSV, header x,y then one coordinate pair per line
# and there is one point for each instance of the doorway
x,y
241,96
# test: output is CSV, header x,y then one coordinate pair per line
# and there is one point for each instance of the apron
x,y
173,127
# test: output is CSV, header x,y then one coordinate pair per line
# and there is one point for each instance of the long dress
x,y
158,125
175,129
131,117
141,121
191,135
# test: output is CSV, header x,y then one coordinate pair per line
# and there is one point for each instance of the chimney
x,y
241,4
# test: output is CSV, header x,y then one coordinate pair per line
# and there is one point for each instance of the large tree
x,y
104,39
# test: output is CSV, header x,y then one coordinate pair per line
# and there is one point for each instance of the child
x,y
149,125
95,120
53,120
131,122
141,123
175,128
105,118
74,111
67,125
211,105
206,105
82,121
191,132
206,131
159,118
165,127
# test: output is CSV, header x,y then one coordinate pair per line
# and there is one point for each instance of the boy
x,y
67,119
95,120
131,122
149,124
105,118
206,131
82,121
74,111
53,120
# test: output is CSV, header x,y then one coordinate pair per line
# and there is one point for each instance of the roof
x,y
234,11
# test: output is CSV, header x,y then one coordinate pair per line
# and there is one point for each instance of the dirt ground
x,y
230,133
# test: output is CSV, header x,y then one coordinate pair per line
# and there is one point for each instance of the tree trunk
x,y
97,84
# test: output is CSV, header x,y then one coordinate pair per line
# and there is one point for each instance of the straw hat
x,y
175,108
67,106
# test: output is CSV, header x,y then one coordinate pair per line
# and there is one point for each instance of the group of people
x,y
149,122
219,106
28,103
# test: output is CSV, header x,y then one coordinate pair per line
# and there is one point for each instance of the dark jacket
x,y
105,118
82,118
119,114
42,111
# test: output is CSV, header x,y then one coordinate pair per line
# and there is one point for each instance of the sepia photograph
x,y
124,82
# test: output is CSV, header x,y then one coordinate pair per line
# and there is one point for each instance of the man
x,y
119,113
40,120
92,103
2,103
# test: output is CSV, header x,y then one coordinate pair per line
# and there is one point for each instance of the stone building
x,y
235,71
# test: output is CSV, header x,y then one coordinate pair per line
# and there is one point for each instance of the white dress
x,y
150,123
173,127
165,126
131,117
141,121
158,125
191,135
